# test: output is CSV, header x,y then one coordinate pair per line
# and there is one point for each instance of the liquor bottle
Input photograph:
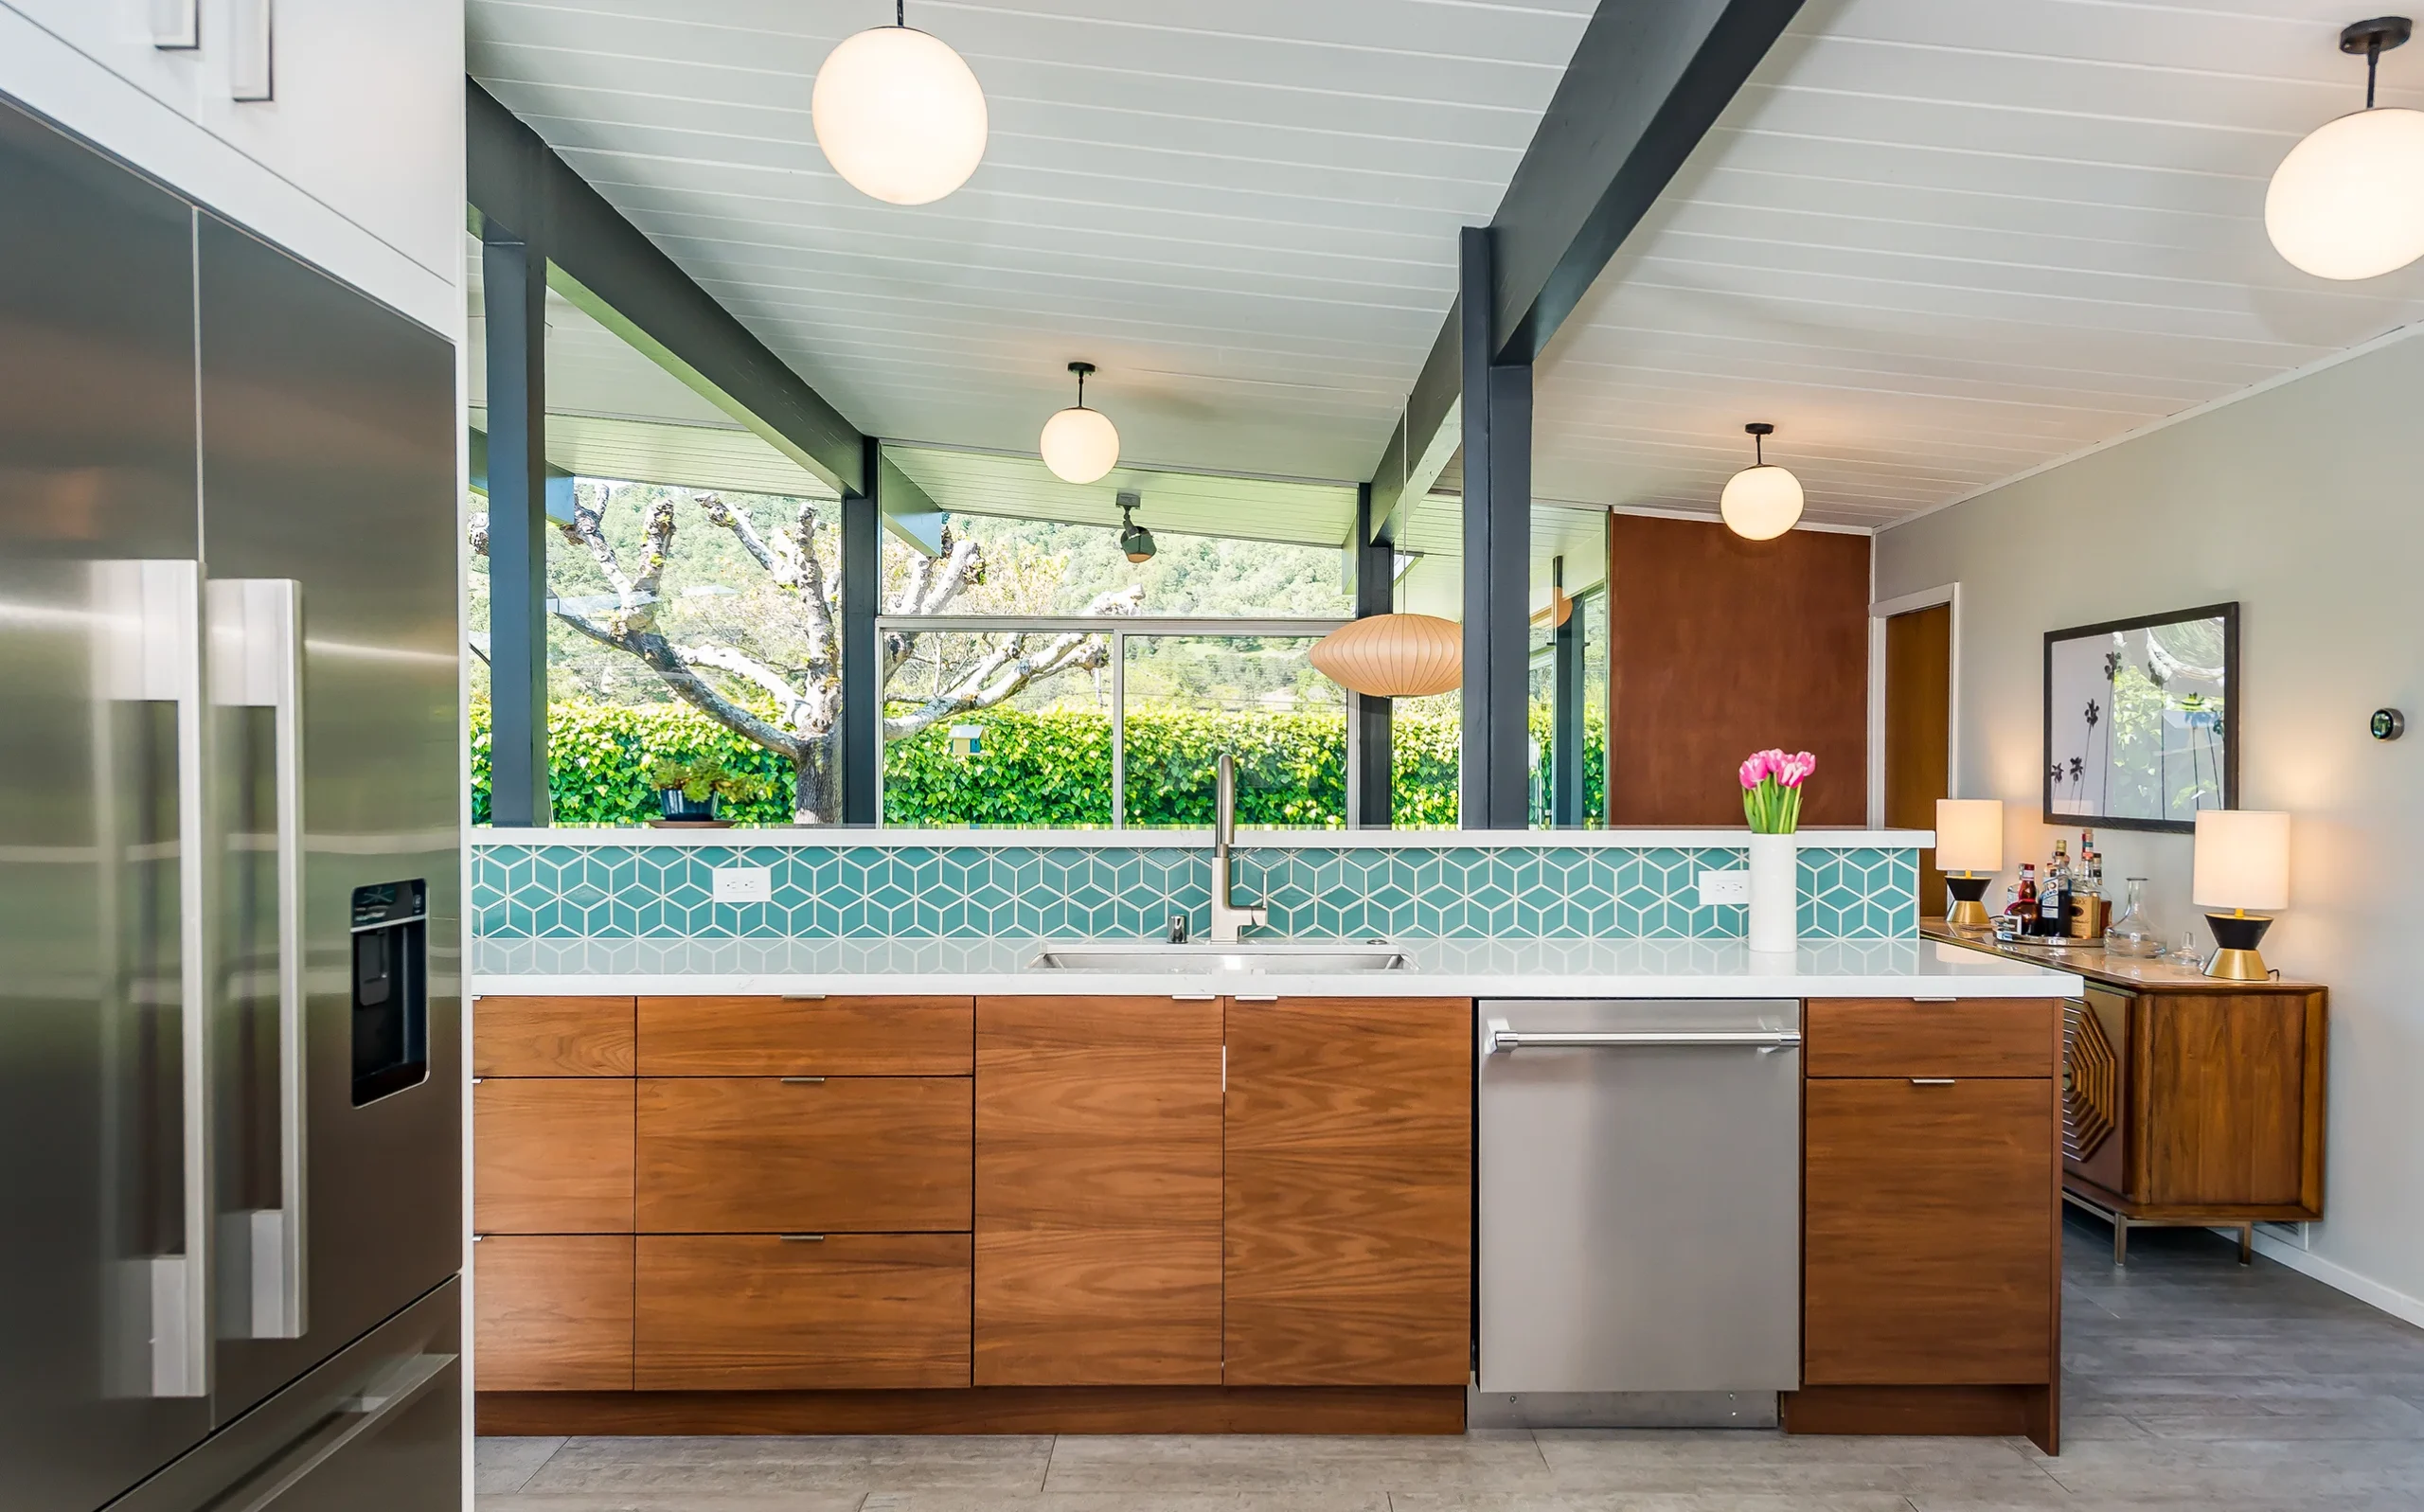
x,y
2024,906
2089,911
2054,898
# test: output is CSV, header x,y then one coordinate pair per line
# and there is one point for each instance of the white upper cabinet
x,y
364,97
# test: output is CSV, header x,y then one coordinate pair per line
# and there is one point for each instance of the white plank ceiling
x,y
1939,242
1244,211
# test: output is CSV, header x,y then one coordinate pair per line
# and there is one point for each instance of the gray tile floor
x,y
2191,1383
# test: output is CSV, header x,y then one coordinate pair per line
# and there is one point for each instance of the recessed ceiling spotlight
x,y
1080,445
1762,501
2348,201
898,112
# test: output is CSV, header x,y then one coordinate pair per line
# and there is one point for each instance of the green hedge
x,y
1041,769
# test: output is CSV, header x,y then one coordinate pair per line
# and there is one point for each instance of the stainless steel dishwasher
x,y
1639,1178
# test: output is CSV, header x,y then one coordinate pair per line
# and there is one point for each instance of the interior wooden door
x,y
1349,1192
1929,1254
1097,1192
1918,731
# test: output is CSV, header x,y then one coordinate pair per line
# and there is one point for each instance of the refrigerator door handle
x,y
258,633
150,651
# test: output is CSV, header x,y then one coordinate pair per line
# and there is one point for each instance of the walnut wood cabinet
x,y
826,1196
2187,1100
1347,1192
1097,1191
1932,1258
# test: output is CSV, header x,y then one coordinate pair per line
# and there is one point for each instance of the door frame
x,y
1879,612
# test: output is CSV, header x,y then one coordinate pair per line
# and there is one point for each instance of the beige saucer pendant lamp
x,y
1080,445
898,114
2348,201
1762,501
1402,656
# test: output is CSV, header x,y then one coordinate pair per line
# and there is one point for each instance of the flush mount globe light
x,y
1080,445
899,114
1402,656
1761,501
2348,202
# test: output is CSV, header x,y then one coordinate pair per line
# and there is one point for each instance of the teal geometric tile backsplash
x,y
1122,892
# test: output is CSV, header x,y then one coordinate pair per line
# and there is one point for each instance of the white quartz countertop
x,y
1476,969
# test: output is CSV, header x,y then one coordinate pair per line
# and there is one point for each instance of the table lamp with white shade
x,y
2243,863
1968,840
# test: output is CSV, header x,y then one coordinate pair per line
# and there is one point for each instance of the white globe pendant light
x,y
899,114
1081,445
2348,201
1762,501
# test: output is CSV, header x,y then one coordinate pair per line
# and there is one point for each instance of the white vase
x,y
1775,893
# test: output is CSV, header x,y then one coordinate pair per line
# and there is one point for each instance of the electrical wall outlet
x,y
745,884
1724,887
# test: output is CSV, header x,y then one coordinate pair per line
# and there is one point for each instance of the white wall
x,y
355,164
2304,502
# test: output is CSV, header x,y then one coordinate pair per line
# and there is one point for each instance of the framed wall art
x,y
2142,720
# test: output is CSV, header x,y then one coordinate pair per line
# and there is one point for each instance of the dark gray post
x,y
515,290
1566,733
861,669
1493,787
1370,797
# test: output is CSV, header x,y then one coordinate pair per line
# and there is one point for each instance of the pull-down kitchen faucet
x,y
1227,919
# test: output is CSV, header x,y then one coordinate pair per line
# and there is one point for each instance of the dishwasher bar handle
x,y
1499,1038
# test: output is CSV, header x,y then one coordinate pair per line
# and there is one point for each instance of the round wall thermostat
x,y
2389,724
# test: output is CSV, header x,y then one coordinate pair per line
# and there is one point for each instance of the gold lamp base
x,y
2236,936
2239,966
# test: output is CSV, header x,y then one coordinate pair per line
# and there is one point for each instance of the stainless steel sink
x,y
1268,957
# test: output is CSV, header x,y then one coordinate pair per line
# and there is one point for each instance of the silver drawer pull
x,y
803,1081
1932,1081
802,1238
1501,1039
803,997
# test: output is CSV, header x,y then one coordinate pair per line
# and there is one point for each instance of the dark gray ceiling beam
x,y
601,262
1646,82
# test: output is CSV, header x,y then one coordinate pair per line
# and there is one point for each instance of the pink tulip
x,y
1752,770
1794,770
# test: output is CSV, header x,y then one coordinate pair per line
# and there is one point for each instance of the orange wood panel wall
x,y
1720,646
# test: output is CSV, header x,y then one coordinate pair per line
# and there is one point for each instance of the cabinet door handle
x,y
176,24
802,1238
803,1081
803,997
1932,1081
248,64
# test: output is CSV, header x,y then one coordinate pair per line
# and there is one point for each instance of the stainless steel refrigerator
x,y
230,983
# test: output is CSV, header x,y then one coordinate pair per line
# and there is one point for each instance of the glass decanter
x,y
2132,932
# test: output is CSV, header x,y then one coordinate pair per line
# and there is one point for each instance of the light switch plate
x,y
1720,887
745,884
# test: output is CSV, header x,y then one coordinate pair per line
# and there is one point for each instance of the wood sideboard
x,y
2187,1100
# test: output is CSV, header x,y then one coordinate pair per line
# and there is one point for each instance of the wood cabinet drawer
x,y
553,1311
1928,1243
552,1036
760,1155
551,1156
755,1311
816,1037
1899,1037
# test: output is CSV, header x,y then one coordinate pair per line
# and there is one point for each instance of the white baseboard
x,y
2366,1289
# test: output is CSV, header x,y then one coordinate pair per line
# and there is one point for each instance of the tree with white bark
x,y
773,675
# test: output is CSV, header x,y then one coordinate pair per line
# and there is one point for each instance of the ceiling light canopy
x,y
1080,445
1761,501
1136,542
2348,201
1393,655
899,114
